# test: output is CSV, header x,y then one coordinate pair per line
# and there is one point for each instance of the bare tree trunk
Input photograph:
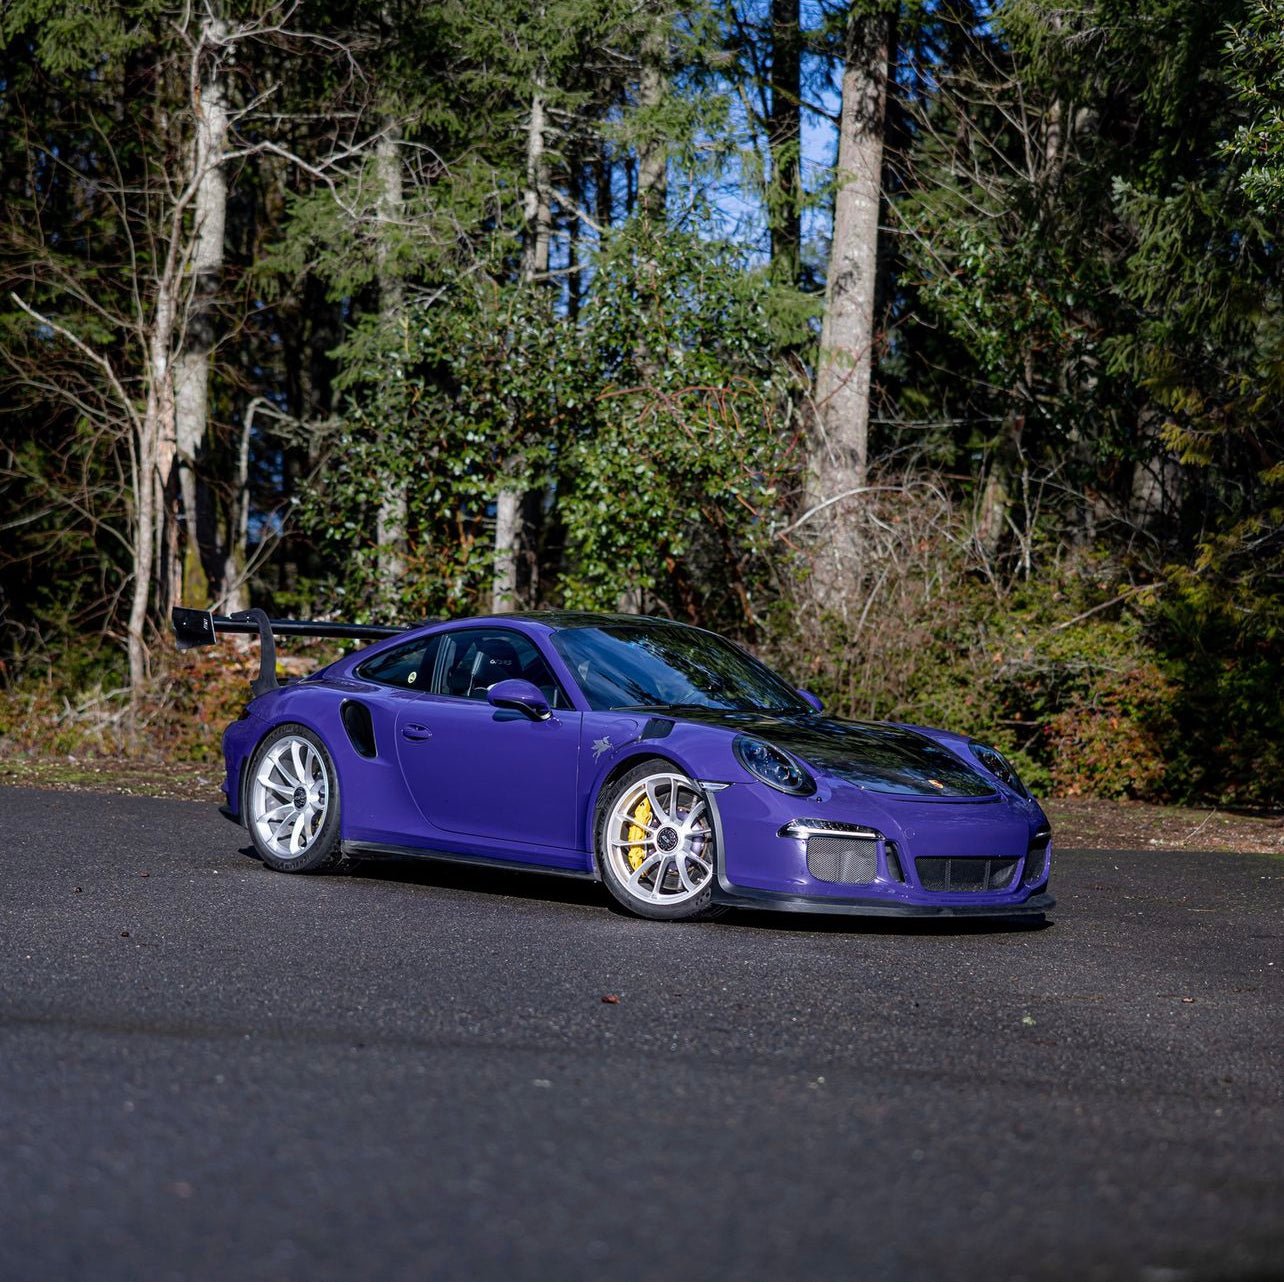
x,y
784,128
996,495
652,188
390,523
653,159
155,453
508,534
236,589
537,210
1156,492
1156,489
841,423
145,481
160,435
603,197
192,361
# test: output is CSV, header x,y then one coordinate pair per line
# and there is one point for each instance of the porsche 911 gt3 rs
x,y
656,757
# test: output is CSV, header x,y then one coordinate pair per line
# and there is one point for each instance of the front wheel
x,y
655,843
293,802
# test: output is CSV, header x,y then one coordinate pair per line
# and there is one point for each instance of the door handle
x,y
416,732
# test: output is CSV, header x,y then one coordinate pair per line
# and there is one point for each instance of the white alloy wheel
x,y
656,843
292,802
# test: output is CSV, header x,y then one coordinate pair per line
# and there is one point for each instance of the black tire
x,y
291,805
645,877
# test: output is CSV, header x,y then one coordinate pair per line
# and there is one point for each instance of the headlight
x,y
996,765
773,766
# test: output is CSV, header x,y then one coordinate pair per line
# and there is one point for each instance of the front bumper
x,y
762,846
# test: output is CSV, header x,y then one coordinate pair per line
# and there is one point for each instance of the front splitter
x,y
761,899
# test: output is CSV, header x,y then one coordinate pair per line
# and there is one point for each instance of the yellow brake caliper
x,y
637,831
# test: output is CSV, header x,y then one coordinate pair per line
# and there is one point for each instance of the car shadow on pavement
x,y
461,876
886,925
534,885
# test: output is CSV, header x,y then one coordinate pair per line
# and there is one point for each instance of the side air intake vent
x,y
356,722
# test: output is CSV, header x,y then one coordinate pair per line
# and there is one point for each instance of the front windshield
x,y
652,664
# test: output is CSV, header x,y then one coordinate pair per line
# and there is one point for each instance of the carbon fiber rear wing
x,y
195,628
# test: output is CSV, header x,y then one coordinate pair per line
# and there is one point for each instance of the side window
x,y
409,665
473,660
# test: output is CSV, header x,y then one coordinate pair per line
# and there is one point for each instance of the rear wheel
x,y
293,802
655,843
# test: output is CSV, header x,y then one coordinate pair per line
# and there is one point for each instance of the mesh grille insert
x,y
966,874
838,859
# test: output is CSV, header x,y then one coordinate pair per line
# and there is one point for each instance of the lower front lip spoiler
x,y
760,899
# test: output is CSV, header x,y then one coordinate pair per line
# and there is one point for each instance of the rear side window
x,y
409,665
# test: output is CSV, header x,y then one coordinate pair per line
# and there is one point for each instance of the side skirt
x,y
351,849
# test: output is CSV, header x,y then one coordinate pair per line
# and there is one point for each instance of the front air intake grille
x,y
966,874
838,859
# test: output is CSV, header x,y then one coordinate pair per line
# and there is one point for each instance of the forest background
x,y
932,349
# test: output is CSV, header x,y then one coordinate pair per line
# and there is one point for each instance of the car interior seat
x,y
494,660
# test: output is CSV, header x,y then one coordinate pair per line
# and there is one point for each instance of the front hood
x,y
883,757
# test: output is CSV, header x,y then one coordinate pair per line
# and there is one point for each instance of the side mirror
x,y
518,694
812,699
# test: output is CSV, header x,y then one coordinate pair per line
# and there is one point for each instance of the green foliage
x,y
430,419
647,424
1256,51
677,458
77,36
1221,623
1063,674
1082,276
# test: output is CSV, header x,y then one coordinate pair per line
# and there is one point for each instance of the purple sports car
x,y
656,757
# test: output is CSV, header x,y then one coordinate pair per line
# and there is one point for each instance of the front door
x,y
488,773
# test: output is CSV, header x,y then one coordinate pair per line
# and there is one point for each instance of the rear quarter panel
x,y
374,803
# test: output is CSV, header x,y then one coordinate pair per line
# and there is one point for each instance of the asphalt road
x,y
211,1070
